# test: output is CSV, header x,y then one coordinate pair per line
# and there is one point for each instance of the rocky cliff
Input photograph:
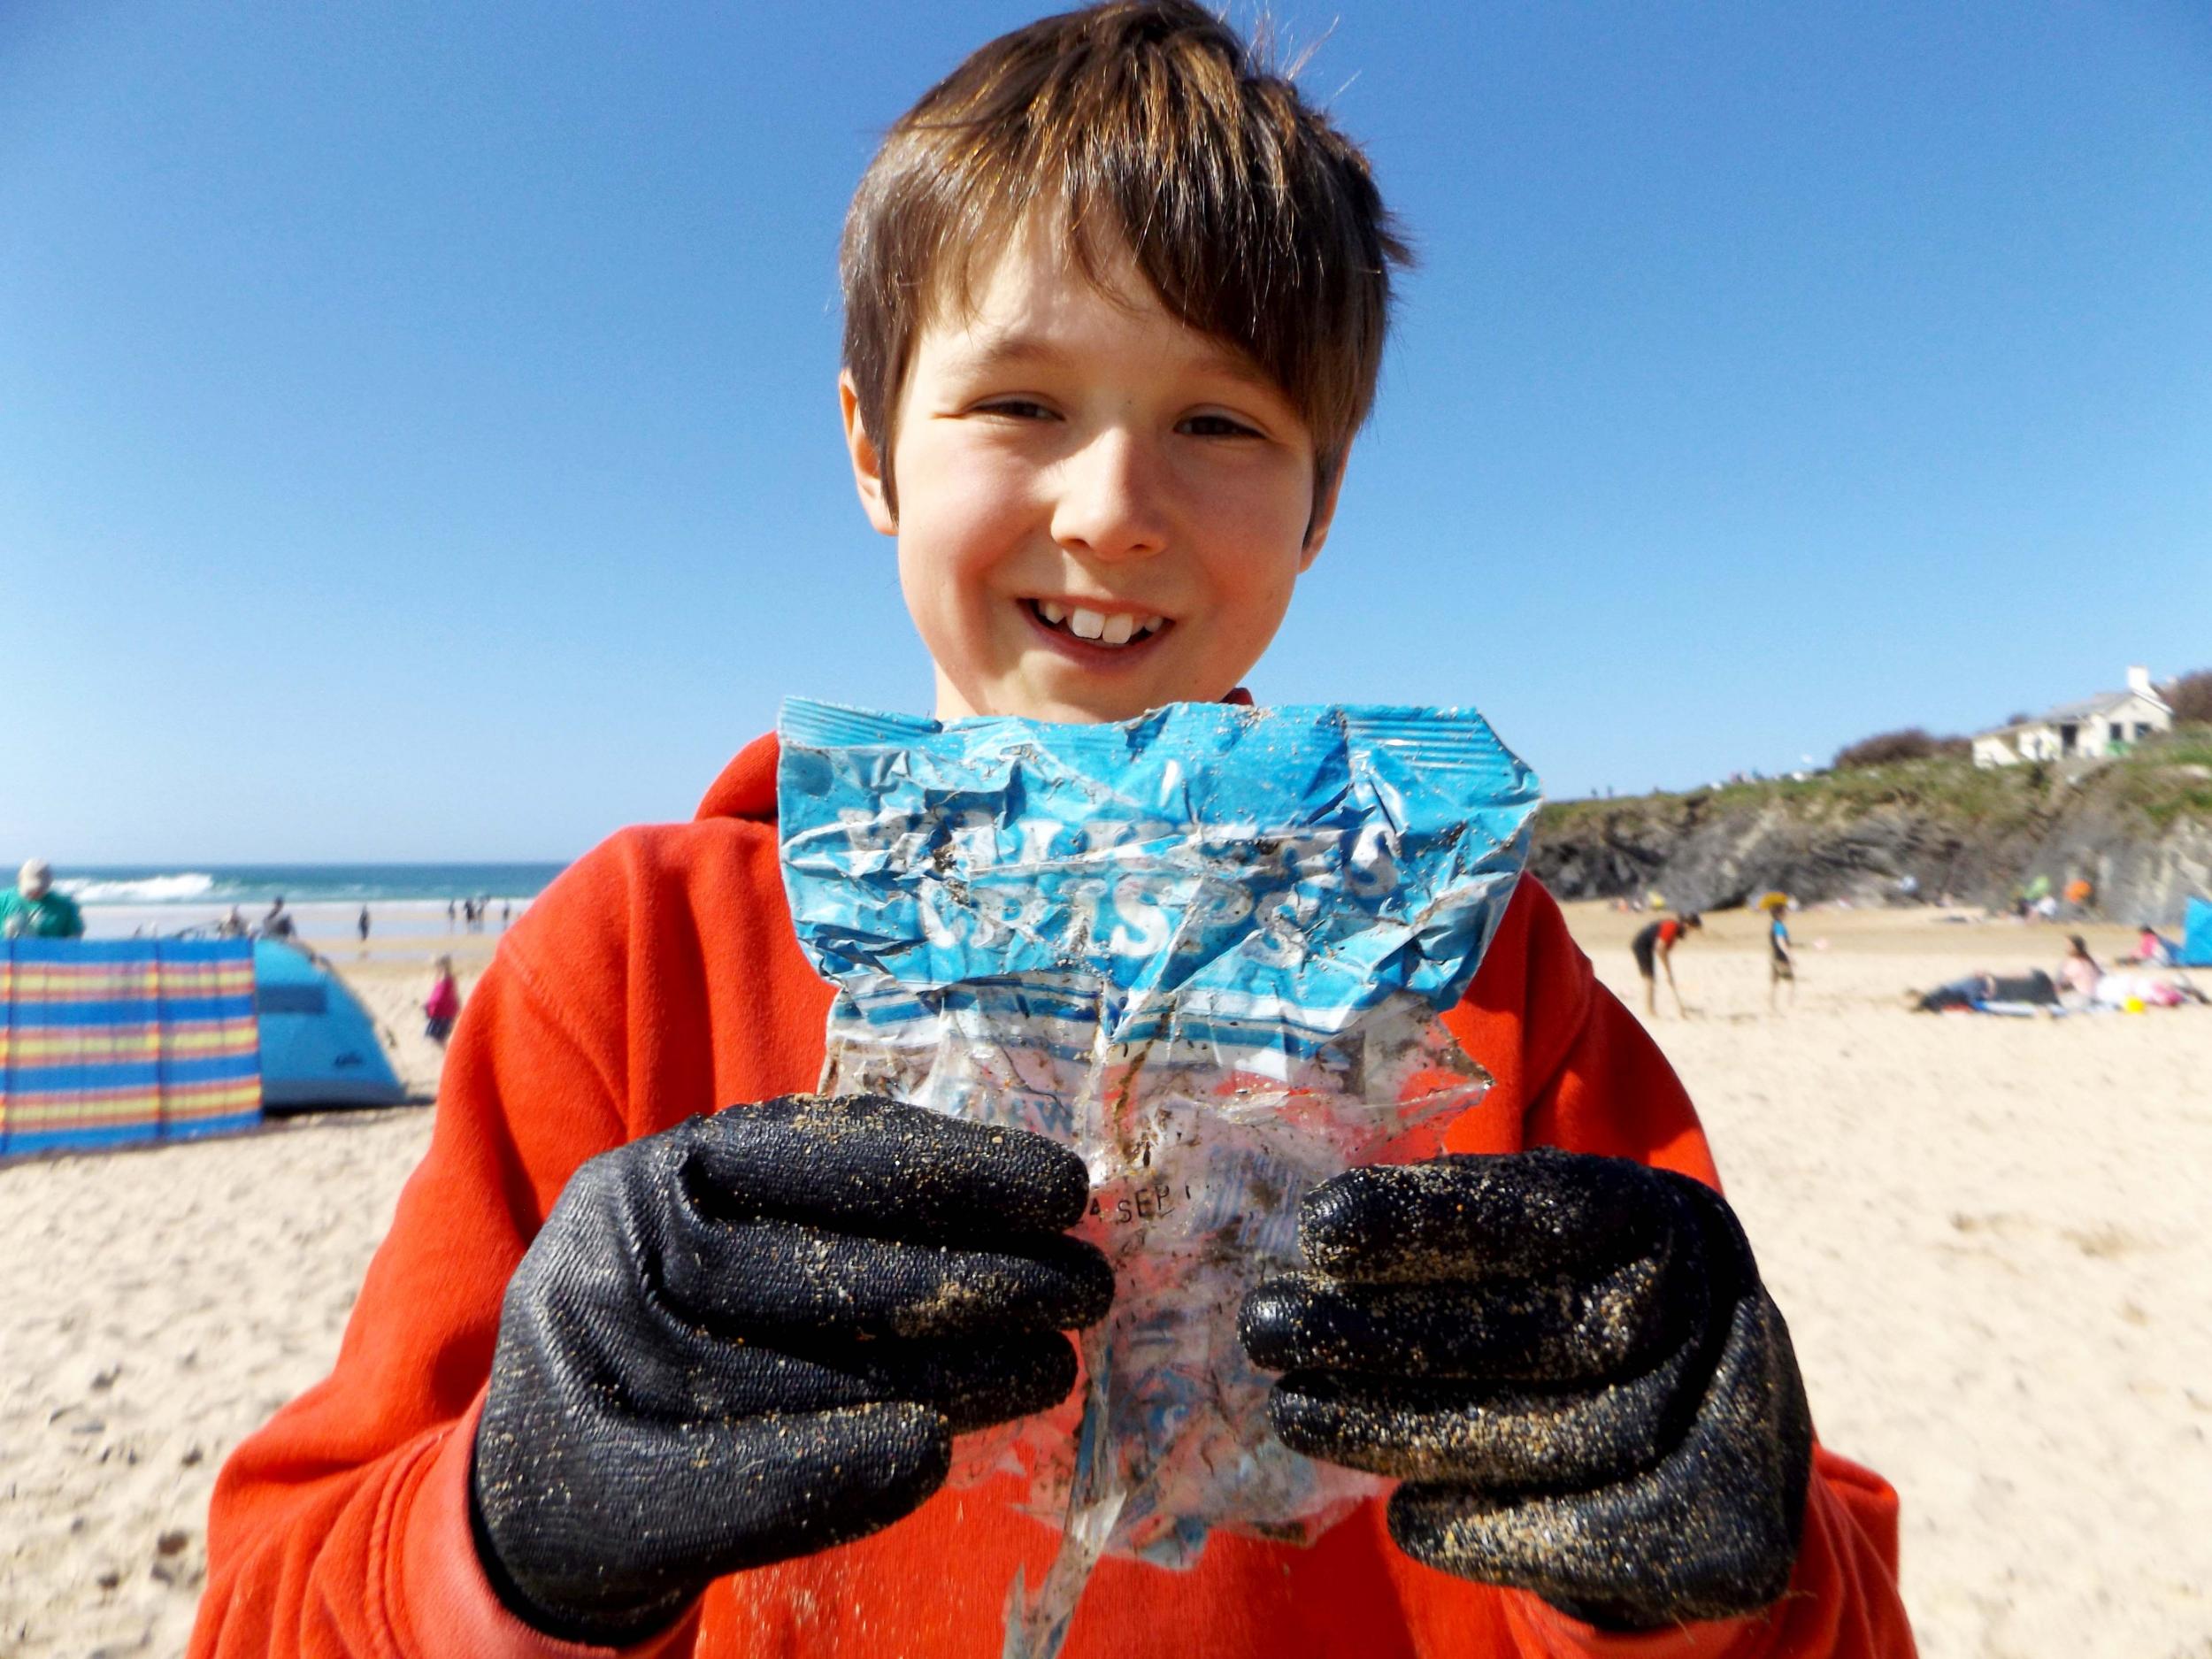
x,y
2140,827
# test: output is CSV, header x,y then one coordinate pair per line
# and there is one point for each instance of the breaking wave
x,y
164,889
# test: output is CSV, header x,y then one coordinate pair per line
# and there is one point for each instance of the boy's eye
x,y
1018,408
1217,426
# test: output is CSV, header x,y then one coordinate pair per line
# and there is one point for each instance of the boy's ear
x,y
875,501
1326,490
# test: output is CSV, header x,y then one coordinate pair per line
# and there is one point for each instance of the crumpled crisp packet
x,y
1206,949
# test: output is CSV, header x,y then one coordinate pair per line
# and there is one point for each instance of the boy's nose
x,y
1109,505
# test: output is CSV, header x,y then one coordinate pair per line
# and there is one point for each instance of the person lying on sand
x,y
2032,990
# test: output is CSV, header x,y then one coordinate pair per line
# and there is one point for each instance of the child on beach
x,y
1781,967
662,1355
442,1006
1653,950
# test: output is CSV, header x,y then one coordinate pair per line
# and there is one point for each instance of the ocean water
x,y
245,885
326,900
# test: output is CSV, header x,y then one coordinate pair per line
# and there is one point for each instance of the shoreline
x,y
331,920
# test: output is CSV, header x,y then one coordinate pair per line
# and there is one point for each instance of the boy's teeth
x,y
1100,626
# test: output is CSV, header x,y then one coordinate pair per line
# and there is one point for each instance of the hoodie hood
x,y
747,788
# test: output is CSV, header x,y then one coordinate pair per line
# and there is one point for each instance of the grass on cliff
x,y
2169,780
2163,779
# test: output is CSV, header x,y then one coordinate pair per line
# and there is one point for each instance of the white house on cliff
x,y
2094,728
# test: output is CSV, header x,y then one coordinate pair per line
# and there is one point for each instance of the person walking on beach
x,y
1781,968
362,925
33,910
449,916
1654,949
278,923
442,1006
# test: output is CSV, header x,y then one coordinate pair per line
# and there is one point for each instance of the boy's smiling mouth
x,y
1092,628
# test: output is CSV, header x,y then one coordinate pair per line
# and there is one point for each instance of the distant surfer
x,y
1654,949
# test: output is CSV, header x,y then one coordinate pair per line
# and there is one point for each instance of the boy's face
x,y
1100,510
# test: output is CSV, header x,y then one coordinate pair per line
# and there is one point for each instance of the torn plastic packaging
x,y
1207,949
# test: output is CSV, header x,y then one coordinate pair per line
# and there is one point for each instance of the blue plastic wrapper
x,y
1207,949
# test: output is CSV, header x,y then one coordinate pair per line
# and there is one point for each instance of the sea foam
x,y
164,889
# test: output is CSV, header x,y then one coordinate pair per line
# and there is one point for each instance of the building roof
x,y
2089,707
2081,708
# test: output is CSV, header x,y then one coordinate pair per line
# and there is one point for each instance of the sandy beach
x,y
1986,1233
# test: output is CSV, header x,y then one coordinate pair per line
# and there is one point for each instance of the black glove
x,y
754,1336
1571,1365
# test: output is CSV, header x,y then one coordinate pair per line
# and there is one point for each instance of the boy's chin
x,y
1058,711
1087,706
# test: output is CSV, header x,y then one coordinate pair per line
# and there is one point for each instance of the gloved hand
x,y
1570,1363
754,1335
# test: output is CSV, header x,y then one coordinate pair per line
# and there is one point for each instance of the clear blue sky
x,y
418,437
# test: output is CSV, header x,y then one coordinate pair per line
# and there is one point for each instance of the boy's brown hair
x,y
1139,124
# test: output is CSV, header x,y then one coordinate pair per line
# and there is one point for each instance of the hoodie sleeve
x,y
341,1527
1574,1069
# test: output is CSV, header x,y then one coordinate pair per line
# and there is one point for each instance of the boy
x,y
627,1375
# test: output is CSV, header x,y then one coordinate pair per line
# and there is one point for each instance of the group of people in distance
x,y
473,913
1654,950
2081,982
276,923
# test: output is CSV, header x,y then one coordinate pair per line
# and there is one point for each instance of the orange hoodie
x,y
660,977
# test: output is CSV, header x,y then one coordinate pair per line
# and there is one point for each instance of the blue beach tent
x,y
318,1047
2196,935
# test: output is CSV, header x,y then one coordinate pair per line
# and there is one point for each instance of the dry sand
x,y
158,1305
1987,1234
